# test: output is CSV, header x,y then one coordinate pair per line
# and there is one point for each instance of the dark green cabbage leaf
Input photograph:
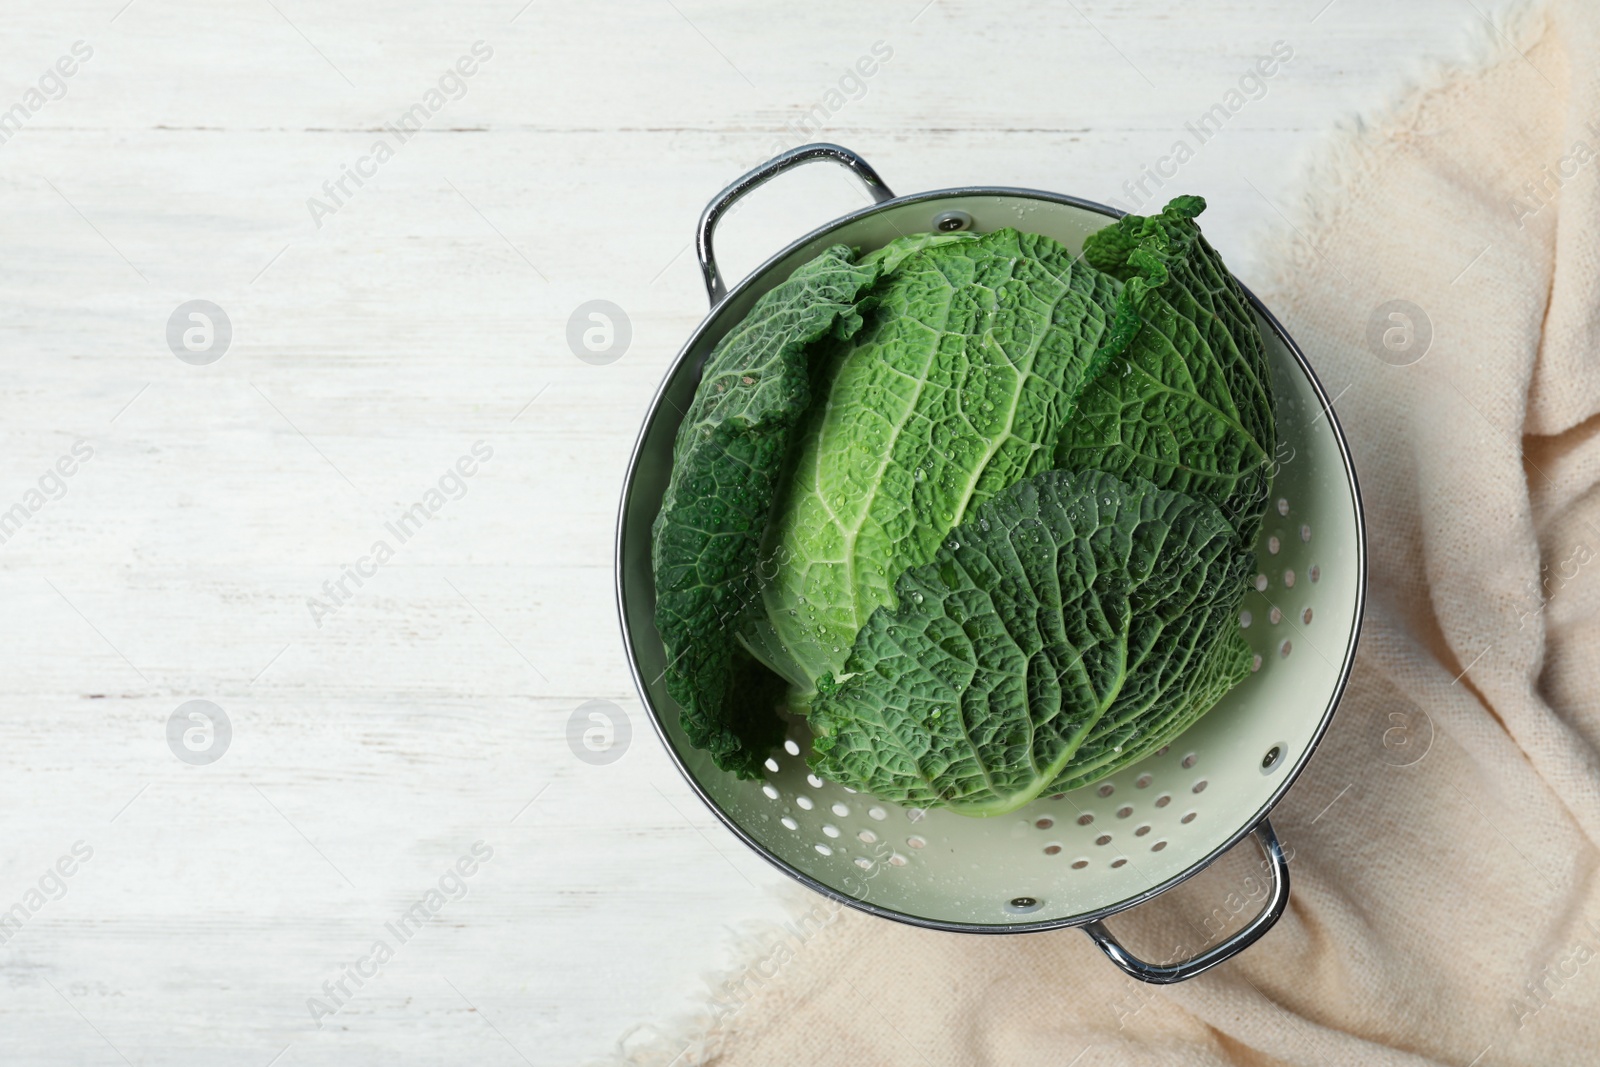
x,y
1076,622
730,452
1183,396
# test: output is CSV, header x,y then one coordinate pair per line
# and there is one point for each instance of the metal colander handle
x,y
724,200
1168,973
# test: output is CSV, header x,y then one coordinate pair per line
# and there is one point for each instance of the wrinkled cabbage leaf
x,y
756,385
957,387
1184,396
1072,616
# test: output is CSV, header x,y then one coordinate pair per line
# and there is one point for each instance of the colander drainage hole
x,y
1189,818
1283,506
1288,579
1255,663
1163,800
1119,862
877,813
830,830
1275,616
1305,534
1124,811
789,823
824,849
772,793
1103,839
914,841
1143,781
816,783
1162,751
867,837
1158,846
897,860
791,748
840,809
1273,544
1261,583
804,802
1086,818
1245,619
1189,760
1141,831
1079,865
1106,790
771,765
1045,824
864,863
1052,850
1286,648
1200,786
1315,573
1305,617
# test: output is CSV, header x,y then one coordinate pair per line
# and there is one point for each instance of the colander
x,y
1076,858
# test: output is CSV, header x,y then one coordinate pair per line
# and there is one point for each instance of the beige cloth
x,y
1443,912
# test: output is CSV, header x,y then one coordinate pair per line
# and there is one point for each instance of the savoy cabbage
x,y
981,509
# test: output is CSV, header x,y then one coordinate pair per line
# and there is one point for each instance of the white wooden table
x,y
378,335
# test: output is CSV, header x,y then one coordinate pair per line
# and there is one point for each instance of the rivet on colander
x,y
1270,761
952,221
1023,904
